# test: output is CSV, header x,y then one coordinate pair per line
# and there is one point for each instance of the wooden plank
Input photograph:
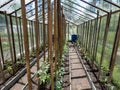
x,y
114,51
6,3
2,57
98,33
13,39
18,34
21,35
43,15
26,44
9,38
50,43
32,24
55,34
104,41
37,38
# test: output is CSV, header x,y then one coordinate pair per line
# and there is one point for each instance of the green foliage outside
x,y
108,51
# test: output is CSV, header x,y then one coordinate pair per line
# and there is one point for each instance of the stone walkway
x,y
79,79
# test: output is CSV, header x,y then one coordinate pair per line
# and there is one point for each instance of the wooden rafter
x,y
6,3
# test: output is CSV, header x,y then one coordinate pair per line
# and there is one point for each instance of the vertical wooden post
x,y
2,57
114,51
61,30
13,41
2,71
82,35
21,35
38,32
90,36
59,27
95,40
68,31
18,33
88,30
32,35
26,43
43,13
55,33
9,39
30,30
104,41
50,43
37,36
98,33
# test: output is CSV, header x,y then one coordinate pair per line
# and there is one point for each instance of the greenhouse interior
x,y
59,45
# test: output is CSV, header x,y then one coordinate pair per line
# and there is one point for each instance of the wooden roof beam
x,y
94,6
78,10
20,7
6,3
82,7
78,13
112,3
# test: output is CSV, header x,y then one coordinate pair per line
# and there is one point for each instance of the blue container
x,y
74,38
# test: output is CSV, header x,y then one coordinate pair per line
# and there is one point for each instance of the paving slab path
x,y
79,80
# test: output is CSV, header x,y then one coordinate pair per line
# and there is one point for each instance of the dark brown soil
x,y
66,76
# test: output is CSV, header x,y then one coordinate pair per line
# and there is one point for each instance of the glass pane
x,y
110,42
101,34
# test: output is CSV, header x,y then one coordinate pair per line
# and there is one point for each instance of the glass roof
x,y
75,10
88,8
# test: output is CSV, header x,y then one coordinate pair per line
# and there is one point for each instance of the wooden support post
x,y
37,36
90,36
50,43
2,71
86,32
82,35
13,41
39,33
30,30
93,39
1,63
21,35
9,38
32,24
61,30
86,26
43,13
104,42
55,34
98,33
114,51
18,34
68,31
26,43
95,36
